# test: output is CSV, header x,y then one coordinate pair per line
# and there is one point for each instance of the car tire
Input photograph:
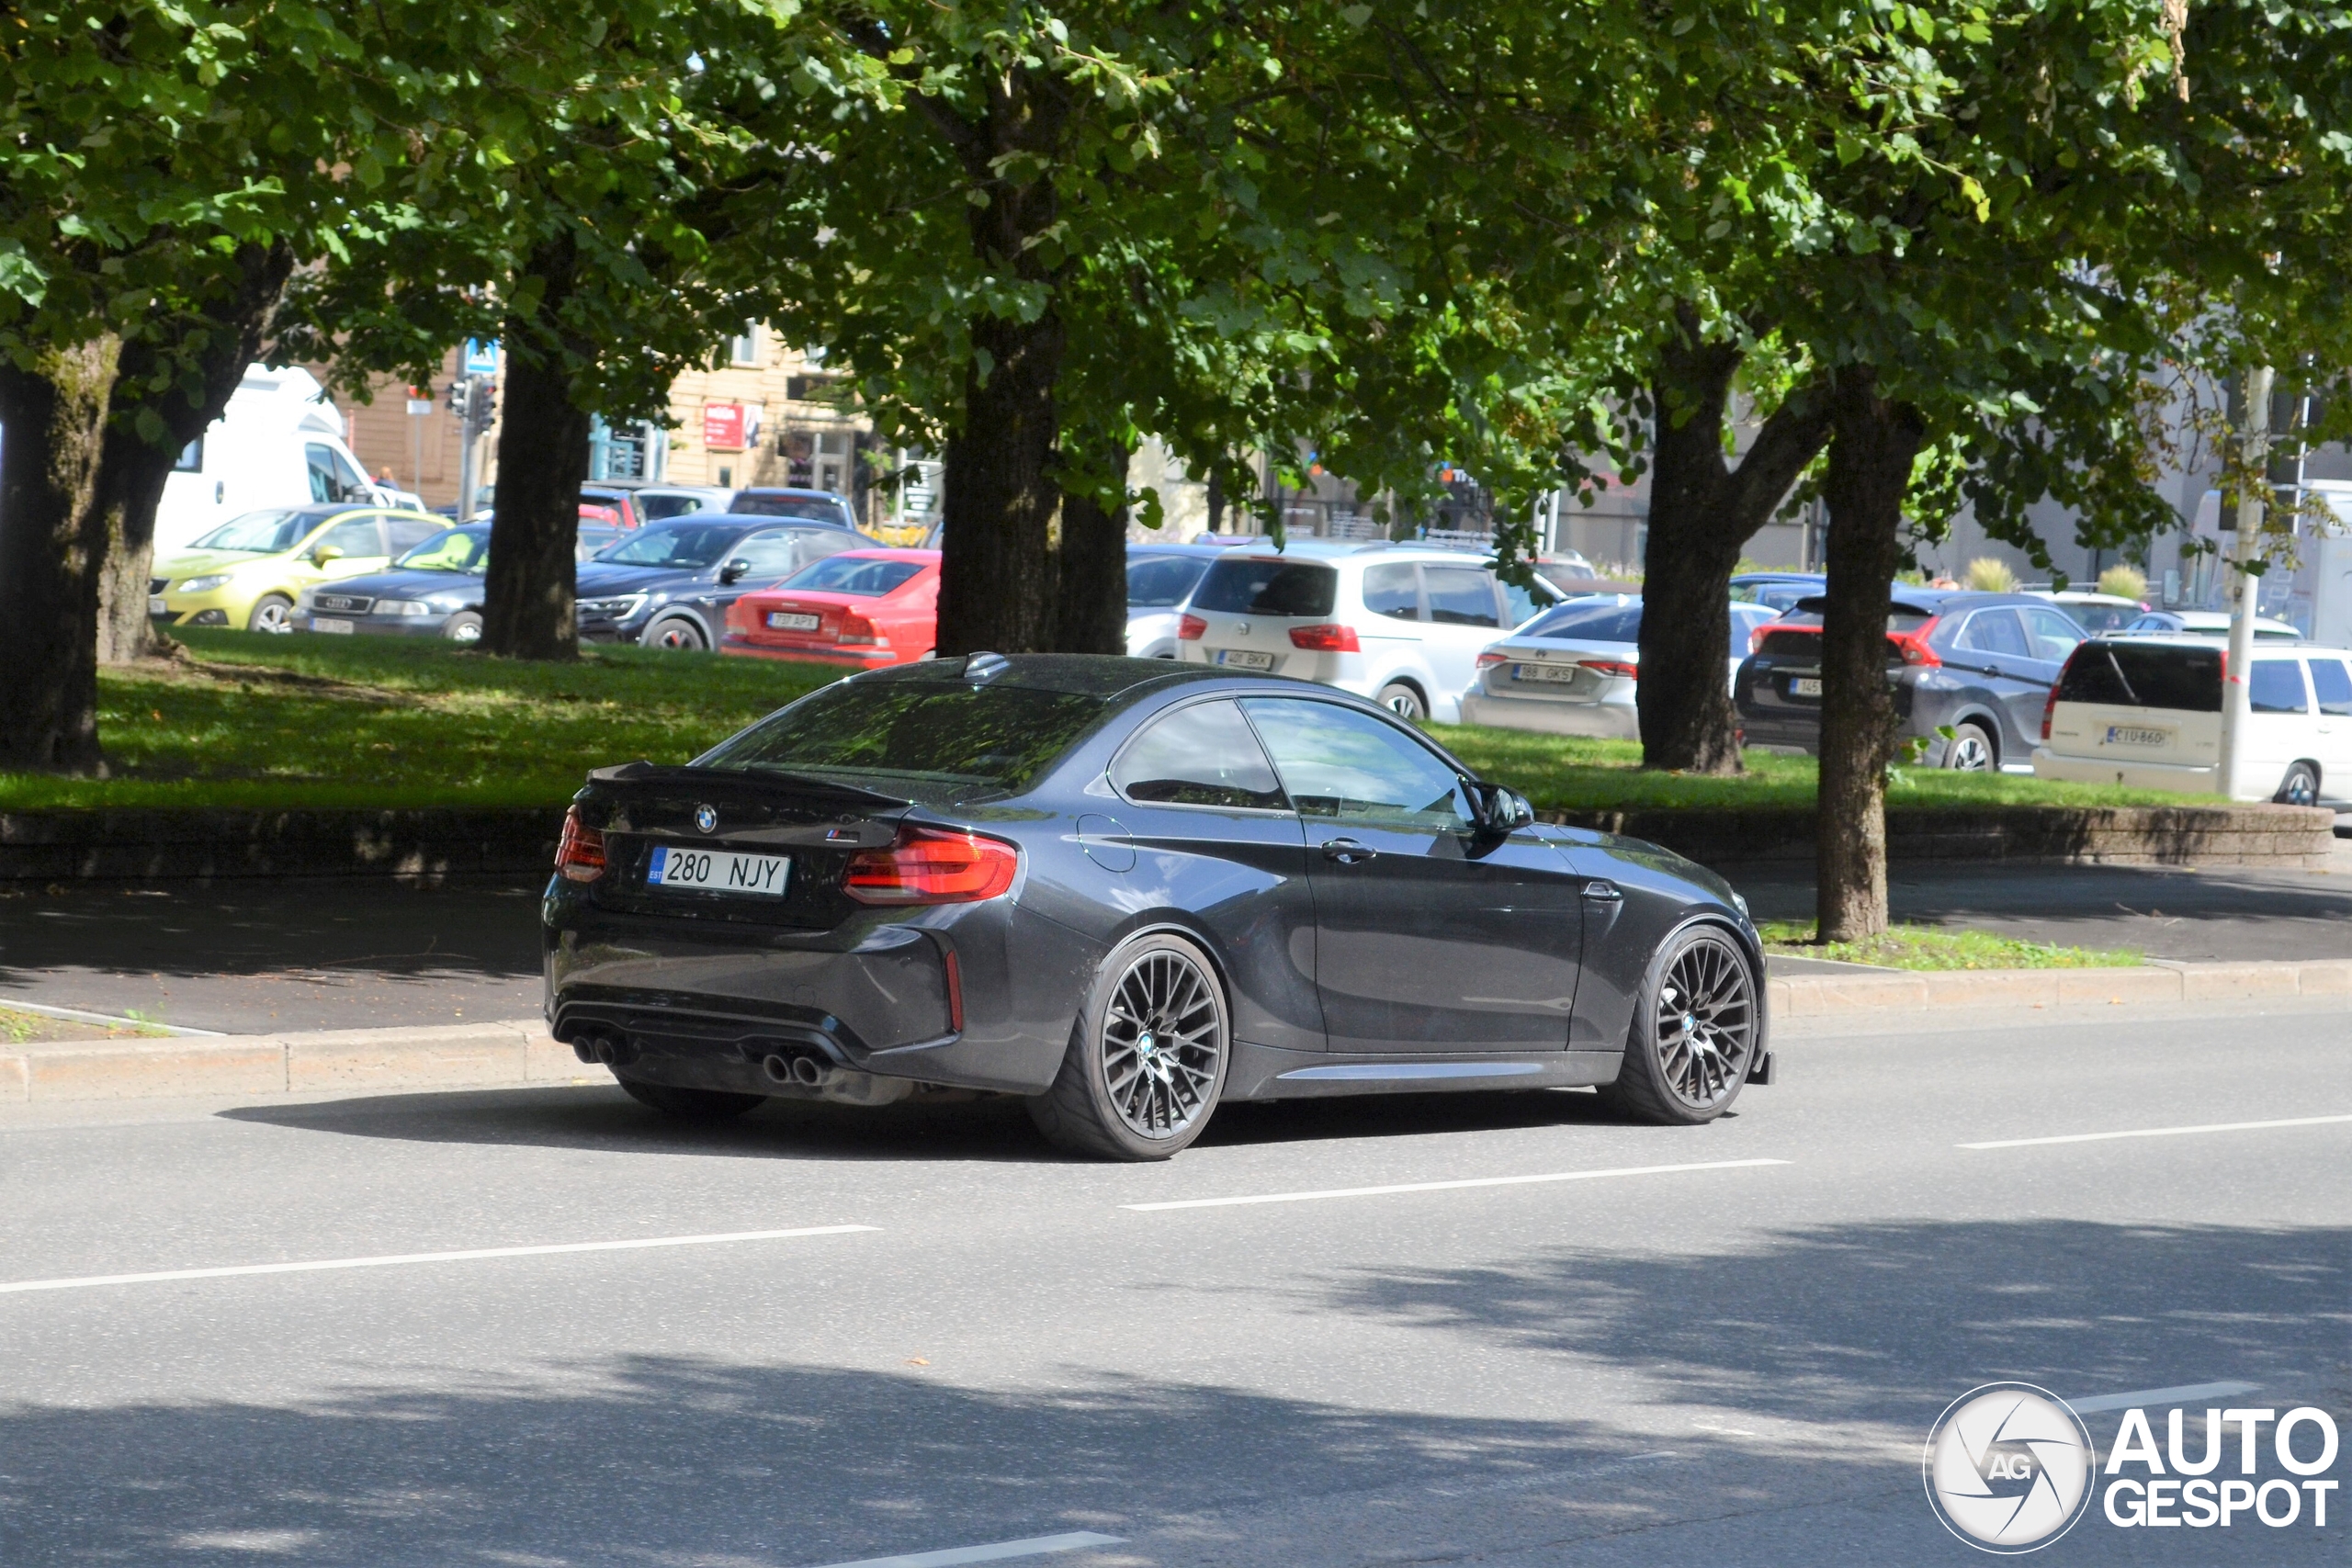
x,y
272,613
1122,1093
690,1104
1404,700
1695,1031
676,633
1972,749
2300,786
465,626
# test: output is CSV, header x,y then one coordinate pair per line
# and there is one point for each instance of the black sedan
x,y
668,584
432,591
1128,893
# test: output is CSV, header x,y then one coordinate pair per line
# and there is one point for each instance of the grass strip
x,y
1933,947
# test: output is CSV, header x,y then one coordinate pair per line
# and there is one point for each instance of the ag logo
x,y
2008,1468
706,818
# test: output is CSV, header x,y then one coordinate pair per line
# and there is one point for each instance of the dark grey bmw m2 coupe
x,y
1128,893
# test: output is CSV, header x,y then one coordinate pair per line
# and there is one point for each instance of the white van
x,y
2146,712
1401,624
279,443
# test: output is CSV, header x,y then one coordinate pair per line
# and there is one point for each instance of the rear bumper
x,y
1606,721
2186,778
705,1003
850,659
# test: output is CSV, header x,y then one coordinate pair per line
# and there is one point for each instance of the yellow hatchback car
x,y
247,571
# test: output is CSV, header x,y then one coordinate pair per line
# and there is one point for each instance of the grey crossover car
x,y
1126,892
1978,664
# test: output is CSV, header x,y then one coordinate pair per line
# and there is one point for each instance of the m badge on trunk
x,y
706,818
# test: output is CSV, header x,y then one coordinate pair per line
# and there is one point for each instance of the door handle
x,y
1347,852
1602,892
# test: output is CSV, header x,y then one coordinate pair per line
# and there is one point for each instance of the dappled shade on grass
x,y
255,721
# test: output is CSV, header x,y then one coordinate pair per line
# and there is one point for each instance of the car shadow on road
x,y
986,1128
1787,1374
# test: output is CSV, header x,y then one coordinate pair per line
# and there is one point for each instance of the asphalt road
x,y
1717,1366
250,958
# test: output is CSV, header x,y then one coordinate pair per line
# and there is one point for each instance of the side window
x,y
1347,766
324,485
1519,604
771,555
1203,755
816,544
1744,622
407,533
358,539
1393,589
1994,631
2052,633
1461,595
2278,686
2331,683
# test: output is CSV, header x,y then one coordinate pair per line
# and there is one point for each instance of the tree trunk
x,y
528,610
54,413
996,561
1091,579
1871,455
214,347
1702,513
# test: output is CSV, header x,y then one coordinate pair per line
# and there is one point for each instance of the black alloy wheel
x,y
1694,1035
1147,1058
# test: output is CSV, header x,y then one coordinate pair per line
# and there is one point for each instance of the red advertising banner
x,y
722,426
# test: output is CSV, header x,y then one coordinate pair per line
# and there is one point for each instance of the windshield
x,y
459,550
1252,585
861,577
260,533
1591,620
817,508
686,546
931,741
1162,582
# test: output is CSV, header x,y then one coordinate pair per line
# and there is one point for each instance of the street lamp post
x,y
2237,697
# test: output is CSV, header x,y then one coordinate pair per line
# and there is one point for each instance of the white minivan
x,y
1401,624
2146,712
279,444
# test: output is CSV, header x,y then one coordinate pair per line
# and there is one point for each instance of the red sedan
x,y
865,608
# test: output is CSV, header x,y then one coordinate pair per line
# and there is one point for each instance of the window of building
x,y
743,348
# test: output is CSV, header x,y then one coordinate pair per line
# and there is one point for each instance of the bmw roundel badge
x,y
706,818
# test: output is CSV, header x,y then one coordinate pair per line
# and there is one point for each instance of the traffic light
x,y
482,403
455,398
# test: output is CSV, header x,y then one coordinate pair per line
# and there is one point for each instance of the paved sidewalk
x,y
254,958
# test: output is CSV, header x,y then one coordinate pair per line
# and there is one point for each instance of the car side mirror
x,y
1500,811
735,570
326,553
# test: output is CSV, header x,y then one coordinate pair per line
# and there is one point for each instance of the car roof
x,y
1778,577
793,491
1089,674
887,552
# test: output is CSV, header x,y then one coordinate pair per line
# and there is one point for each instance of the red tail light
x,y
930,865
859,630
1191,628
1913,650
1331,639
1489,658
1610,667
1755,638
2050,703
580,853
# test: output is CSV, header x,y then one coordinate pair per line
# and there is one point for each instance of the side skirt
x,y
1268,1072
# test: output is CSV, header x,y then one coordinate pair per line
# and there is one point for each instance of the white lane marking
x,y
167,1275
1448,1186
2160,1132
2180,1395
76,1015
1036,1546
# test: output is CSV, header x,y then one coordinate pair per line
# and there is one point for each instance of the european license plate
x,y
1244,659
1806,686
2137,735
327,623
1561,672
763,875
790,621
155,605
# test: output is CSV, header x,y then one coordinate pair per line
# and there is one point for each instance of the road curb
x,y
519,1052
